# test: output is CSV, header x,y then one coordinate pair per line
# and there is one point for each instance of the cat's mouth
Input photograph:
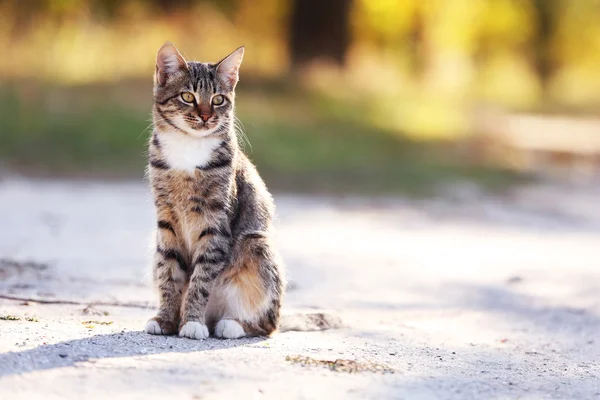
x,y
199,128
202,126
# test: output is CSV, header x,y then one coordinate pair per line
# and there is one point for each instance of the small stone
x,y
514,279
63,355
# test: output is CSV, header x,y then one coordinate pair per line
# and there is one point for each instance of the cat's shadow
x,y
123,344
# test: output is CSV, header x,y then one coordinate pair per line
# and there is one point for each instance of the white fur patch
x,y
153,328
229,329
194,330
185,152
237,308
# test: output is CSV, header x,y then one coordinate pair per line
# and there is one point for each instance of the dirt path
x,y
470,297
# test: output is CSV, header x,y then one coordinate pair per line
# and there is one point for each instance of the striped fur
x,y
214,266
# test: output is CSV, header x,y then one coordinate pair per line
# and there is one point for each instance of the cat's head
x,y
194,98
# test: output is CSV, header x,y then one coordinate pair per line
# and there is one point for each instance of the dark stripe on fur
x,y
172,254
207,259
210,277
211,187
213,231
255,235
216,205
162,224
215,164
225,143
223,128
168,121
203,292
219,251
159,164
208,231
163,102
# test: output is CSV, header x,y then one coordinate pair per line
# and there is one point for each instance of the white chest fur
x,y
185,152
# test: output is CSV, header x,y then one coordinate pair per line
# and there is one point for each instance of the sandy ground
x,y
465,297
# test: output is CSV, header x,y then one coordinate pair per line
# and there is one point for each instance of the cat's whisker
x,y
239,129
145,130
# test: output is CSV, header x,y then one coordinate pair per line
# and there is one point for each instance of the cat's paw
x,y
158,326
194,330
229,329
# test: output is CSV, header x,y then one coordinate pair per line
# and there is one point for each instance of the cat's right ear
x,y
168,62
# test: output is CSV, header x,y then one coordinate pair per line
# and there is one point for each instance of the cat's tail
x,y
309,321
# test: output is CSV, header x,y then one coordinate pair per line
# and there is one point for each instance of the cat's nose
x,y
204,117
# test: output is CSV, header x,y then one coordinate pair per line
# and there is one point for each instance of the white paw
x,y
229,329
153,328
194,330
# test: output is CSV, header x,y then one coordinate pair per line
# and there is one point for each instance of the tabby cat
x,y
214,266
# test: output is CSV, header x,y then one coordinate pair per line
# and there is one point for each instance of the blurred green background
x,y
341,95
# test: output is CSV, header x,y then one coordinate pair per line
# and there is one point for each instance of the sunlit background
x,y
363,95
435,167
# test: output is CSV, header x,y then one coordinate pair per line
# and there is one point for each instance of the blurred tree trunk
x,y
545,15
319,29
416,41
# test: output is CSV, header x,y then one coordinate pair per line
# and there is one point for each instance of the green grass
x,y
55,134
300,141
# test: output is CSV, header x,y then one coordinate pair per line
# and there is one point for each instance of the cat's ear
x,y
228,68
168,62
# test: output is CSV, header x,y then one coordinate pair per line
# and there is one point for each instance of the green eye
x,y
187,97
218,100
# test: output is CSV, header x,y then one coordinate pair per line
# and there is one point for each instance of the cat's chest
x,y
185,153
185,204
192,201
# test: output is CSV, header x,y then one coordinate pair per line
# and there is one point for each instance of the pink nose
x,y
204,117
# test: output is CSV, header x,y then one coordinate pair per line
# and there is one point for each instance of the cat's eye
x,y
188,97
218,100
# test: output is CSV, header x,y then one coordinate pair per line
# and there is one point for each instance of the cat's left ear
x,y
228,69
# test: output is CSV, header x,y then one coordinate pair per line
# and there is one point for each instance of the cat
x,y
215,267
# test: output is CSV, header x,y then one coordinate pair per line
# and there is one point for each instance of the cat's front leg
x,y
170,277
207,266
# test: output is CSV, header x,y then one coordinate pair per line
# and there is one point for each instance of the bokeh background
x,y
435,168
338,95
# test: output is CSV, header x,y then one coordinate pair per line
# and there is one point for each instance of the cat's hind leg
x,y
246,299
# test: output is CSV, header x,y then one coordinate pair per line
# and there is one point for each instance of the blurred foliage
x,y
299,140
76,77
479,49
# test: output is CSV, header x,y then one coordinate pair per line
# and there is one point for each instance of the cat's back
x,y
253,200
248,179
